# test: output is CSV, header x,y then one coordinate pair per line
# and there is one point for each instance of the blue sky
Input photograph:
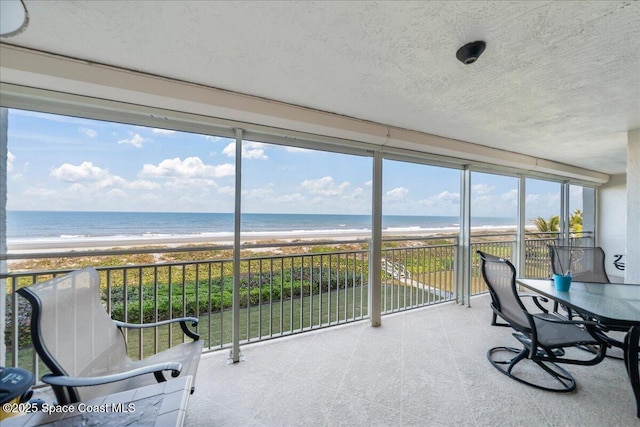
x,y
66,163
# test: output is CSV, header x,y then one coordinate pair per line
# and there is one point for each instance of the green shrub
x,y
24,322
255,288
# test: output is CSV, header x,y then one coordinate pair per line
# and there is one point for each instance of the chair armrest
x,y
536,300
66,381
183,325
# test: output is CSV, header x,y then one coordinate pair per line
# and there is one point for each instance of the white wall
x,y
612,223
632,270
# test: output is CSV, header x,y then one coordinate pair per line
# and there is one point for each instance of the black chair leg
x,y
631,350
494,321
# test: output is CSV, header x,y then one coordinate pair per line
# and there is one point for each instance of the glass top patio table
x,y
609,303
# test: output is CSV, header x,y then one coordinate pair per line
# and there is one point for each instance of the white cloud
x,y
230,150
510,195
324,186
483,201
163,131
86,176
532,198
250,150
77,187
444,197
254,153
188,184
83,172
481,188
228,190
136,140
443,203
290,198
226,169
89,132
190,167
111,181
117,193
143,184
397,193
447,196
10,160
259,193
101,190
318,201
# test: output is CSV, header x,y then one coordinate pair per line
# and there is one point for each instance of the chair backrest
x,y
586,264
500,276
71,330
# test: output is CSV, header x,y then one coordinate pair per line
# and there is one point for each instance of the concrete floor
x,y
424,367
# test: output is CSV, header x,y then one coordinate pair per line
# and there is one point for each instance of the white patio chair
x,y
86,350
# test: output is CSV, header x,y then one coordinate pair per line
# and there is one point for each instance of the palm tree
x,y
548,226
575,221
553,224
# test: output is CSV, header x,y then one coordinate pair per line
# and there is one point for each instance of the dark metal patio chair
x,y
544,335
586,264
86,350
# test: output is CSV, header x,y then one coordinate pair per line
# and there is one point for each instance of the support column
x,y
463,285
564,214
375,248
632,264
235,356
520,253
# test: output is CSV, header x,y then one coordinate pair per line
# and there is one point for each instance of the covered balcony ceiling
x,y
558,80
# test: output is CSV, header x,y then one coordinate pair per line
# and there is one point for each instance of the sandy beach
x,y
86,244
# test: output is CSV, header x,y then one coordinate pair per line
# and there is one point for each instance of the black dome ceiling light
x,y
470,52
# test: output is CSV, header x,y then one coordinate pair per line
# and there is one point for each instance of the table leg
x,y
631,349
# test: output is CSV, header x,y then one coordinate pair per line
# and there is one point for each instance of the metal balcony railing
x,y
285,288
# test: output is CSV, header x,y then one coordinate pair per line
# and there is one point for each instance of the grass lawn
x,y
279,318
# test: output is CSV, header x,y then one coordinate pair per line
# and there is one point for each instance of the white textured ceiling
x,y
559,80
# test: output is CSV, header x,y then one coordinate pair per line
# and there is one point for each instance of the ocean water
x,y
26,226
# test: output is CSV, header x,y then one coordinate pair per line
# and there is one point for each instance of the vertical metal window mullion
x,y
564,213
463,288
520,254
